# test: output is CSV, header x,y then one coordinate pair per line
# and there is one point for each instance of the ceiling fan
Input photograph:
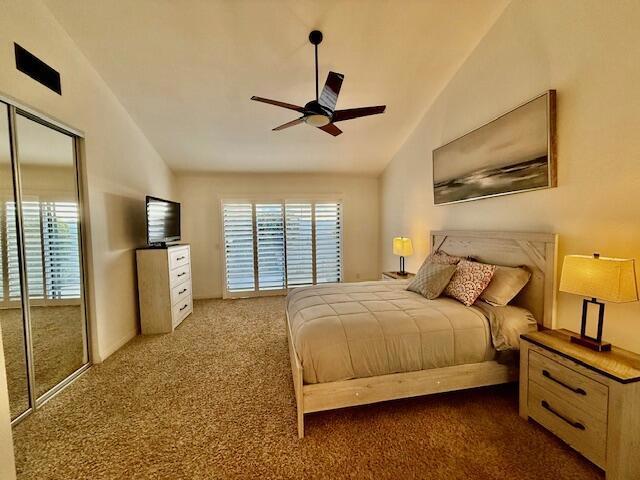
x,y
321,112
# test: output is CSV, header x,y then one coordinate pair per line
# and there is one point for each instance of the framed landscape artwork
x,y
514,153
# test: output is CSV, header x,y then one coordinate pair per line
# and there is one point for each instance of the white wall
x,y
200,195
121,165
588,50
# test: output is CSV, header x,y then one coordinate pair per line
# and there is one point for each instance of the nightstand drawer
x,y
582,431
578,390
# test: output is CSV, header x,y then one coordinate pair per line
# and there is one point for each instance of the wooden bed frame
x,y
537,251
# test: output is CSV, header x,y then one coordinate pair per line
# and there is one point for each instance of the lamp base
x,y
585,340
591,343
402,272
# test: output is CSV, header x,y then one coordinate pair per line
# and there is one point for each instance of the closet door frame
x,y
15,108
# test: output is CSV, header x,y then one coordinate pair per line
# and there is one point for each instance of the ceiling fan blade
x,y
331,90
332,129
350,113
290,106
289,124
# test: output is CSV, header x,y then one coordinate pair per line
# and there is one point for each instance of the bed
x,y
410,346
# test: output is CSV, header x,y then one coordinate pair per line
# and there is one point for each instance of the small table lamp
x,y
402,247
609,279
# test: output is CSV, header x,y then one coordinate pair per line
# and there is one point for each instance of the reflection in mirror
x,y
11,321
52,246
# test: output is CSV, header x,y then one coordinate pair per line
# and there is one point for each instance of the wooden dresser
x,y
589,399
164,287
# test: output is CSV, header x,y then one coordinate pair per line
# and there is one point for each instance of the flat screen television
x,y
163,221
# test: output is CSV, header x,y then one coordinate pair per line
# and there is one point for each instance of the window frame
x,y
283,200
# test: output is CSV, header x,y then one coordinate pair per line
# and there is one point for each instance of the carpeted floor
x,y
215,400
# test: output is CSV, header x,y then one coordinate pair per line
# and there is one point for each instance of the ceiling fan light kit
x,y
317,120
321,112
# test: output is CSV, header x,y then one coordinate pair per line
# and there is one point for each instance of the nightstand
x,y
591,400
397,276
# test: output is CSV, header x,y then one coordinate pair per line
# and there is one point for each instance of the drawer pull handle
x,y
579,391
179,258
548,407
182,291
183,307
181,274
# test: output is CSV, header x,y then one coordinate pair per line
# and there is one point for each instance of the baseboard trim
x,y
207,297
114,347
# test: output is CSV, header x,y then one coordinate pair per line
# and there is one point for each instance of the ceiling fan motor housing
x,y
315,107
317,114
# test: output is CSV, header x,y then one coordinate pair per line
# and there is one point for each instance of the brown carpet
x,y
215,400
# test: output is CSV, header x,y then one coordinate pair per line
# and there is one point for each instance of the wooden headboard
x,y
537,251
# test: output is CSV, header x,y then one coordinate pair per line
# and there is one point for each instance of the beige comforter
x,y
356,330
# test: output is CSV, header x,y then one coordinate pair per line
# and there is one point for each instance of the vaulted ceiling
x,y
185,71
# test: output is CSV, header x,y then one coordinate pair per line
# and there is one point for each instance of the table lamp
x,y
596,277
402,247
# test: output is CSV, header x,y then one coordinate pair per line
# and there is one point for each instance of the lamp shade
x,y
402,246
609,279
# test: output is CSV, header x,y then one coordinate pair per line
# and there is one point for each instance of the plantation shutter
x,y
61,249
299,244
273,246
33,249
328,242
270,245
238,246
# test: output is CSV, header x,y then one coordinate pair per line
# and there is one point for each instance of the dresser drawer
x,y
584,432
180,310
584,393
180,292
178,257
179,275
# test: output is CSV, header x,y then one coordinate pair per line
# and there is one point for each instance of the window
x,y
51,250
299,244
328,243
238,247
270,246
273,246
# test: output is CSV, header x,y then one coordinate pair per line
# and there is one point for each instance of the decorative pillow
x,y
443,258
431,279
469,280
505,284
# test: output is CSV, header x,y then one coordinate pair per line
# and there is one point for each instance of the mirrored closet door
x,y
42,315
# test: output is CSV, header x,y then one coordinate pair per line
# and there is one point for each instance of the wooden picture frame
x,y
513,153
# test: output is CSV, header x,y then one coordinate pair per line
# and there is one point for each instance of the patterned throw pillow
x,y
431,279
443,258
469,280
